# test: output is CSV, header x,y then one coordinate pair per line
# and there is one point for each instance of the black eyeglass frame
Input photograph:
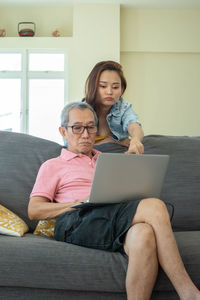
x,y
83,128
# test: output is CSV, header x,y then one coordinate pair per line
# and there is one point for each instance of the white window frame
x,y
25,75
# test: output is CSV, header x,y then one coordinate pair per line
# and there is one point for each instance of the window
x,y
32,92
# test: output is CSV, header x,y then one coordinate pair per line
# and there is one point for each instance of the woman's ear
x,y
63,132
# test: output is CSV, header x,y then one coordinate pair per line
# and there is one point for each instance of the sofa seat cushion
x,y
41,262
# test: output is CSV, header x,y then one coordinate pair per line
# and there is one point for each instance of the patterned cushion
x,y
45,228
10,223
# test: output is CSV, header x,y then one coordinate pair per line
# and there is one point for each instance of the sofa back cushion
x,y
20,158
182,182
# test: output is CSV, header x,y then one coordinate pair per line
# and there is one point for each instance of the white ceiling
x,y
163,4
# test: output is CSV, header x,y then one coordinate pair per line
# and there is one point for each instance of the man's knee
x,y
159,208
151,210
140,238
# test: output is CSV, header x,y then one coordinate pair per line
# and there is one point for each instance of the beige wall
x,y
160,52
44,18
96,37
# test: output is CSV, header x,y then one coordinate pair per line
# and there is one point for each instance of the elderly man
x,y
141,228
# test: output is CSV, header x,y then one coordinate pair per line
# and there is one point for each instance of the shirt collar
x,y
68,155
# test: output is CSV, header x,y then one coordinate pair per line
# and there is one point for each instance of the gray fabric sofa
x,y
34,267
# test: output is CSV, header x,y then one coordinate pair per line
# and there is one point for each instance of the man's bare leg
x,y
153,212
140,246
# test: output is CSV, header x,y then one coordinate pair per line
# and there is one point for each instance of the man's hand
x,y
81,201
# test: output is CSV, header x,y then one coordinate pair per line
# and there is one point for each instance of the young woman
x,y
118,122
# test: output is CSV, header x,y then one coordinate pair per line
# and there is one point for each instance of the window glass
x,y
31,97
46,100
10,62
10,99
46,62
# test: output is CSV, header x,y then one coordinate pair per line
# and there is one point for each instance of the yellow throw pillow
x,y
45,228
10,223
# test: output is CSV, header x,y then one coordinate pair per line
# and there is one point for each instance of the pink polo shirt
x,y
66,178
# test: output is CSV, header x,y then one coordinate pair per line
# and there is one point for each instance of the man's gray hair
x,y
75,105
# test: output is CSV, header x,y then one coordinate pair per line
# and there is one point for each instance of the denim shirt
x,y
119,117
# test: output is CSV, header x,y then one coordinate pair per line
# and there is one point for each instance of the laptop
x,y
123,177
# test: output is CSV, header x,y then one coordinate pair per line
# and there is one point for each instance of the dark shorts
x,y
102,227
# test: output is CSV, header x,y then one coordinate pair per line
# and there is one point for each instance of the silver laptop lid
x,y
124,177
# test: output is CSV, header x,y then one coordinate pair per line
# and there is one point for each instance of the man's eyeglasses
x,y
78,129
